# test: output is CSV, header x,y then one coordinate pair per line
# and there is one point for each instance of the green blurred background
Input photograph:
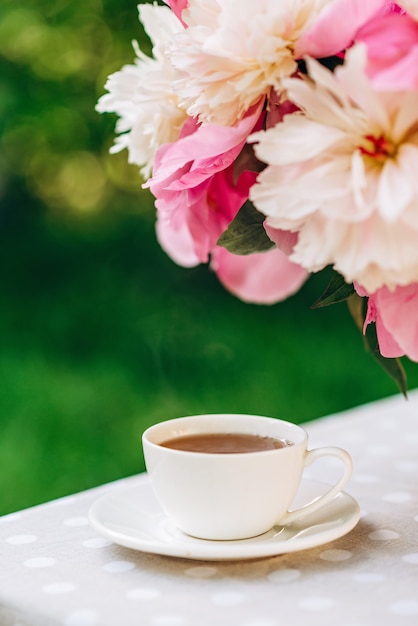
x,y
101,334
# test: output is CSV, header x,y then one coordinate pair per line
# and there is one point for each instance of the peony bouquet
x,y
280,137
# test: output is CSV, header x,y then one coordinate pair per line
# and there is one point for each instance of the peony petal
x,y
406,118
274,193
160,26
388,346
295,139
175,239
392,49
336,26
353,79
395,314
395,190
285,240
398,312
262,278
202,153
398,76
197,216
177,6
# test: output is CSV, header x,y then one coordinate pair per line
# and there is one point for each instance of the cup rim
x,y
162,431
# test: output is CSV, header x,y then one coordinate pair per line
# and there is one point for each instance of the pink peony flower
x,y
196,200
190,221
194,187
395,315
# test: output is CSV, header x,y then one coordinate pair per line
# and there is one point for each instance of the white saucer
x,y
132,517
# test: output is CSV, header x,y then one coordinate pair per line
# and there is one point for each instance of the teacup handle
x,y
311,507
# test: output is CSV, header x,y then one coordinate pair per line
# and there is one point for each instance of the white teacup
x,y
234,495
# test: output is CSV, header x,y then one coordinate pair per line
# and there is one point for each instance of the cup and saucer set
x,y
246,499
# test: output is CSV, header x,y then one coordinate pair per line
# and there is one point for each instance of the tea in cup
x,y
231,476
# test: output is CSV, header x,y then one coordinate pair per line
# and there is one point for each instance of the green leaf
x,y
393,367
337,291
246,234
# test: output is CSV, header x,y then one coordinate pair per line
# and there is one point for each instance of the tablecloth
x,y
57,571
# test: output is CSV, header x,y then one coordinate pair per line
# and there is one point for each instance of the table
x,y
56,571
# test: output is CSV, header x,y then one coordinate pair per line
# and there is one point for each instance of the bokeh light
x,y
55,59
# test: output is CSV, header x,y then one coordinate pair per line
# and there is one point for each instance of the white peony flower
x,y
343,174
142,94
234,51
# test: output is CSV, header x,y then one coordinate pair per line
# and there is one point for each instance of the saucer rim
x,y
209,550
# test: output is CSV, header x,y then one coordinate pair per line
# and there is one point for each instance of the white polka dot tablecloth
x,y
57,571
